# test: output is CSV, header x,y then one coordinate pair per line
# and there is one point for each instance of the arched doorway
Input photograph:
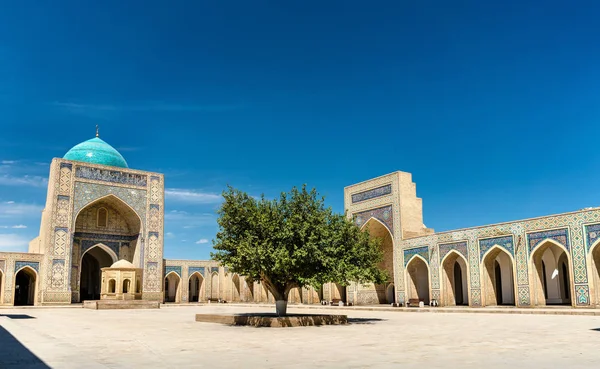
x,y
111,223
172,287
418,279
90,277
498,278
25,287
390,292
455,290
236,296
595,272
338,292
196,287
551,276
214,286
379,230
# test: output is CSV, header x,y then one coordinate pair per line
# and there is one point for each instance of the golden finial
x,y
97,134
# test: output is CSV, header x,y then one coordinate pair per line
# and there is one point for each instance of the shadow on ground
x,y
595,329
364,320
18,316
14,355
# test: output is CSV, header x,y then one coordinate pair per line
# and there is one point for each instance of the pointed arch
x,y
196,287
594,272
172,283
91,262
418,279
25,286
214,286
455,279
111,198
378,229
104,248
498,276
550,284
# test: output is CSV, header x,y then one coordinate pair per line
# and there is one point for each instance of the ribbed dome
x,y
96,151
123,264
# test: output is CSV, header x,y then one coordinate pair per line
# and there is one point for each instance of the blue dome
x,y
96,151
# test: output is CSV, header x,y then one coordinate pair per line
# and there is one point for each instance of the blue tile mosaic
x,y
32,264
422,251
592,234
371,194
113,176
192,270
383,214
176,269
506,242
214,269
559,235
460,247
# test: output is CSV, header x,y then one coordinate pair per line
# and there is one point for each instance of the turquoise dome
x,y
96,151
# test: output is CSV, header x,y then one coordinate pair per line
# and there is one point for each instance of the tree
x,y
293,241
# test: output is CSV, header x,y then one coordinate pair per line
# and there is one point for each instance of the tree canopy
x,y
293,241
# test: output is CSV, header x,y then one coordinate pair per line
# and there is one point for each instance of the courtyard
x,y
170,338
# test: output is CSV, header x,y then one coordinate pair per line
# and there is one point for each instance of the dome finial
x,y
97,134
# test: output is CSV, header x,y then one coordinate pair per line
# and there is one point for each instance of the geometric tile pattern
x,y
524,296
505,242
582,293
32,264
592,233
176,269
89,192
434,260
384,214
192,270
371,194
559,235
476,297
421,251
113,176
461,247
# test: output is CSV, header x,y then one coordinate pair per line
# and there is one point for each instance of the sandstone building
x,y
99,211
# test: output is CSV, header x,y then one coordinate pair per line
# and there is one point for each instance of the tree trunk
x,y
281,307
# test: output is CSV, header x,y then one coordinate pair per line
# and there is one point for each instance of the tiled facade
x,y
575,234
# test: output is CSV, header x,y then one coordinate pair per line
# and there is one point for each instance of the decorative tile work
x,y
60,241
62,211
592,234
192,270
371,194
559,235
214,269
475,297
153,245
524,296
87,244
461,247
113,176
506,242
522,264
435,295
435,272
151,282
583,295
58,277
64,185
155,193
90,192
421,251
32,264
106,237
176,269
384,214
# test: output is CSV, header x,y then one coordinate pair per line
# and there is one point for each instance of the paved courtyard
x,y
170,338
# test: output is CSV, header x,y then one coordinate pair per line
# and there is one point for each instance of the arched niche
x,y
417,271
90,270
173,287
498,279
196,287
25,287
379,230
454,284
550,265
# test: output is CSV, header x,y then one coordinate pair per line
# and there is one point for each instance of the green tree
x,y
293,241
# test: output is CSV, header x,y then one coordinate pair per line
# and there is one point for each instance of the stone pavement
x,y
170,338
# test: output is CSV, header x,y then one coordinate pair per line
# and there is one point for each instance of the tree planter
x,y
281,307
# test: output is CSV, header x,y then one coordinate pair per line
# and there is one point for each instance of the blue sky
x,y
492,107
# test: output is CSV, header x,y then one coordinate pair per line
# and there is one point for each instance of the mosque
x,y
100,213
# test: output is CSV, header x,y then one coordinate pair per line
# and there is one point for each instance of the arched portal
x,y
551,277
390,292
418,279
25,287
196,287
595,272
498,278
90,277
338,292
454,286
110,222
172,287
214,286
378,230
237,292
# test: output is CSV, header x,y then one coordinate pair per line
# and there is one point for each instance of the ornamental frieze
x,y
113,176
